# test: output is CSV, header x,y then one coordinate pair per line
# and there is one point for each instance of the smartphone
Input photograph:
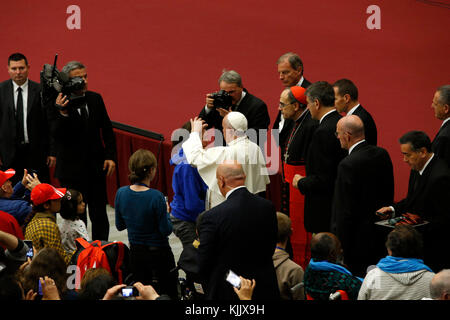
x,y
234,279
40,288
30,252
129,291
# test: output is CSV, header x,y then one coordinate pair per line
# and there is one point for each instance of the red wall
x,y
154,61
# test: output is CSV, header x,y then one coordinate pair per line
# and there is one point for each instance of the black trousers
x,y
155,266
94,195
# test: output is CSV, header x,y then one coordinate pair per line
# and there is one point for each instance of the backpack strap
x,y
85,244
120,256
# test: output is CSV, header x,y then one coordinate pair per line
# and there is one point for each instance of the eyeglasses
x,y
282,104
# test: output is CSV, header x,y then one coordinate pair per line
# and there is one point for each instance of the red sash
x,y
300,239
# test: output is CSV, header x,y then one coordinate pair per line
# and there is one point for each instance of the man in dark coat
x,y
364,183
86,149
24,134
347,101
428,194
322,160
441,106
253,108
240,234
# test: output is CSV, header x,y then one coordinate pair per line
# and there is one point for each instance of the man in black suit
x,y
240,234
364,183
86,149
290,70
347,101
253,108
441,106
428,194
24,135
322,160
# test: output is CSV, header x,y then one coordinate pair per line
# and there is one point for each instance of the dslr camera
x,y
54,82
222,99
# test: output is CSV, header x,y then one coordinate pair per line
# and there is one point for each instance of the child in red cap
x,y
42,229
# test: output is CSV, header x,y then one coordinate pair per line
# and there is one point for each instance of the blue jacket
x,y
189,189
18,205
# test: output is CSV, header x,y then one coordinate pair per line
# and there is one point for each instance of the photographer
x,y
85,146
234,97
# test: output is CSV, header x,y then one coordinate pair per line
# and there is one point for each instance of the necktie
x,y
84,114
19,117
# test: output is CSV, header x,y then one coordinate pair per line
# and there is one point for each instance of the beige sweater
x,y
379,285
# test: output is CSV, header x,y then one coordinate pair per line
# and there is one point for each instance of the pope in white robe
x,y
239,148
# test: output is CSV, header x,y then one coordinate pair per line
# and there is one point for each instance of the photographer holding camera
x,y
85,145
234,97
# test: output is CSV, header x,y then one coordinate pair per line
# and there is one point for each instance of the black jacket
x,y
240,235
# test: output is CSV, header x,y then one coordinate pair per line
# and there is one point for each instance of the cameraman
x,y
253,108
85,147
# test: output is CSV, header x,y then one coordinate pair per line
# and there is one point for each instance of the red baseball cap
x,y
44,192
299,94
6,175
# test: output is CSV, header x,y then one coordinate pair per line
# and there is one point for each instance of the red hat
x,y
44,192
299,94
5,176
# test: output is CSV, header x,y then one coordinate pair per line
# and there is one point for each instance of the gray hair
x,y
293,59
231,76
444,92
440,284
72,65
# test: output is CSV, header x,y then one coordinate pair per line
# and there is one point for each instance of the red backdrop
x,y
154,61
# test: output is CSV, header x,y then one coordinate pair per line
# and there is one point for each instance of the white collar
x,y
443,122
237,140
300,82
24,86
352,110
426,164
326,115
353,146
231,191
242,97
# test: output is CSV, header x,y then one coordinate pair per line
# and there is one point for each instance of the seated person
x,y
16,201
324,274
14,253
42,229
440,285
71,225
289,274
401,275
95,283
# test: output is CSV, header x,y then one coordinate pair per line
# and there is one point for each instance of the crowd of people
x,y
338,234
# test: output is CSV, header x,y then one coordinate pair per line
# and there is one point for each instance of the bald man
x,y
364,182
239,148
440,285
240,234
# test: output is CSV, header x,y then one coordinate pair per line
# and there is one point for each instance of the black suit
x,y
239,234
288,123
370,128
253,108
322,161
82,147
33,155
441,143
428,196
364,183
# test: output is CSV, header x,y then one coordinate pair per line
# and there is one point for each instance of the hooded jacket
x,y
380,285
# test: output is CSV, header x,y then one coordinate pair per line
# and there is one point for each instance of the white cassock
x,y
244,151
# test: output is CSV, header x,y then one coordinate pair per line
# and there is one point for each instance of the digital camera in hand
x,y
222,99
54,82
